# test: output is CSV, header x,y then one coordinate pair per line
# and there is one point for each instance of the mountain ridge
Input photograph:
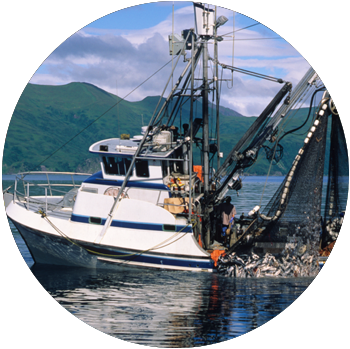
x,y
65,120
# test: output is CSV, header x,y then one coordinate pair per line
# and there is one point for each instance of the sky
x,y
119,51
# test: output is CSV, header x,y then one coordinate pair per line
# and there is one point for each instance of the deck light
x,y
221,21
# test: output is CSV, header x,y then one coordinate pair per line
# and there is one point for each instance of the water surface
x,y
171,308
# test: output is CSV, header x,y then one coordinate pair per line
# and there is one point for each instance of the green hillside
x,y
47,117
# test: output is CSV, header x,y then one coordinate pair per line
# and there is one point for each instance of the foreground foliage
x,y
57,328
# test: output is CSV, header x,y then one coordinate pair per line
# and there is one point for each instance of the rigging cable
x,y
235,31
104,113
310,108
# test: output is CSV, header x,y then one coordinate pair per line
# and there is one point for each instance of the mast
x,y
206,28
217,99
205,94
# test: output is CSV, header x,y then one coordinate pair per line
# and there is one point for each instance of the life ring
x,y
114,191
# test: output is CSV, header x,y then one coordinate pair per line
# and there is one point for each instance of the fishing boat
x,y
150,205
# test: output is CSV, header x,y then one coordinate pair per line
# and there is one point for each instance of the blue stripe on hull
x,y
51,249
133,225
156,260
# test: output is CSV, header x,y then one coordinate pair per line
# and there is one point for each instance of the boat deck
x,y
53,207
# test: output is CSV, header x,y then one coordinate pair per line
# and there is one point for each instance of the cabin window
x,y
95,220
142,168
116,165
169,227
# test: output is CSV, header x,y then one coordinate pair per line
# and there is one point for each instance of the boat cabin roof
x,y
128,147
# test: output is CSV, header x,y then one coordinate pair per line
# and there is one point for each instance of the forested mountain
x,y
46,118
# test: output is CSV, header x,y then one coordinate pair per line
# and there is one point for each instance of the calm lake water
x,y
168,308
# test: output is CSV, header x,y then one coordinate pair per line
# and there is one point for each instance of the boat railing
x,y
46,188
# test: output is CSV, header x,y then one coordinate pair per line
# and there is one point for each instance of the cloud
x,y
120,60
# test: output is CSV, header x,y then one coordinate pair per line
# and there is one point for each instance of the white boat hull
x,y
56,241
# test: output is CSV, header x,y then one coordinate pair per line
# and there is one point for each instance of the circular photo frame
x,y
177,174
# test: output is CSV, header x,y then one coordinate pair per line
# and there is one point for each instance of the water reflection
x,y
168,309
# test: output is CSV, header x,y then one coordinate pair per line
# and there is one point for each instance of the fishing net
x,y
295,209
337,186
292,220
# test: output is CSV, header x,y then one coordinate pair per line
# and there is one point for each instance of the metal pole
x,y
191,135
205,118
48,182
15,191
45,200
216,58
28,196
205,93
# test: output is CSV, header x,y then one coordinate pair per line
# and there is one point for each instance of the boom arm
x,y
244,155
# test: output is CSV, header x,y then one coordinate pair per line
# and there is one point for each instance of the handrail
x,y
47,185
